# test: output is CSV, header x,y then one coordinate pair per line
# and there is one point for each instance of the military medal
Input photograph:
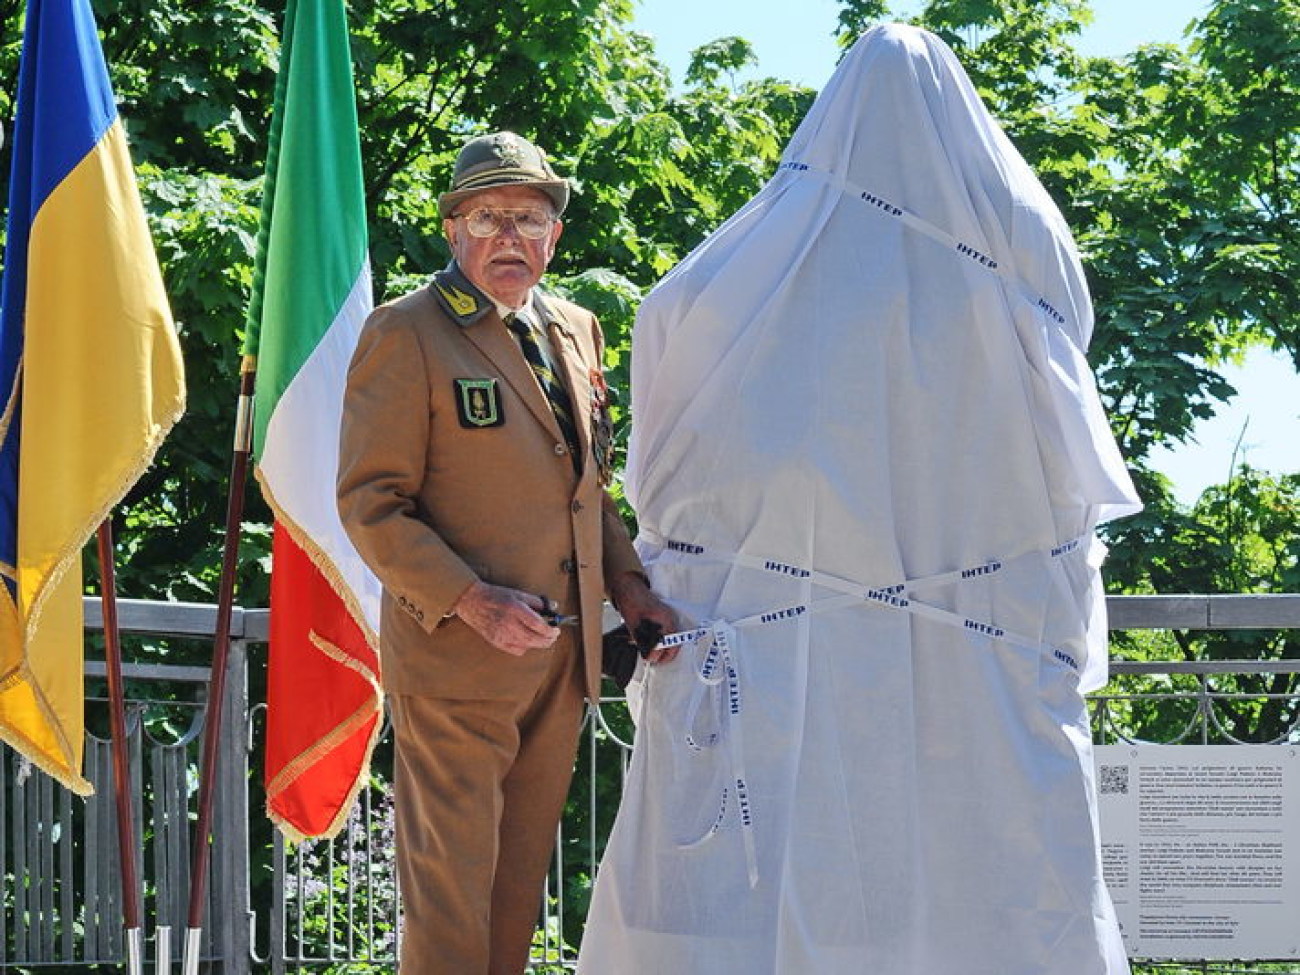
x,y
602,427
478,403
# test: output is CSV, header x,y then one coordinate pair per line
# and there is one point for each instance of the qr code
x,y
1114,780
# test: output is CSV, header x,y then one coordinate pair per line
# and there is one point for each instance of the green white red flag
x,y
311,295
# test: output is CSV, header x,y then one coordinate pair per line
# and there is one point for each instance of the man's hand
x,y
506,618
637,603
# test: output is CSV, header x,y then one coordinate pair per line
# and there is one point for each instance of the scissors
x,y
550,612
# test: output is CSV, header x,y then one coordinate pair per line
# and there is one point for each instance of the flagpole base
x,y
163,948
192,938
134,951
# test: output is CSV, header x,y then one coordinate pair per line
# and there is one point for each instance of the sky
x,y
795,41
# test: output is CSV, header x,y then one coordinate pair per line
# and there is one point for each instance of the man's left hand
x,y
637,603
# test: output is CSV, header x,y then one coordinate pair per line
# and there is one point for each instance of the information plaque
x,y
1201,848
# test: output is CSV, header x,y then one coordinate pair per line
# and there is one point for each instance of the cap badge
x,y
508,149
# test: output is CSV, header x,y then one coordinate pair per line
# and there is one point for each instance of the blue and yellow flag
x,y
90,370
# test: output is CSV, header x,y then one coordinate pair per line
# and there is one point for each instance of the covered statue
x,y
868,462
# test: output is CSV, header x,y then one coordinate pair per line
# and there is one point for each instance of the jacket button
x,y
577,506
561,450
568,565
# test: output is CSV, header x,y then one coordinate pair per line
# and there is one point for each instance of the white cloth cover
x,y
868,458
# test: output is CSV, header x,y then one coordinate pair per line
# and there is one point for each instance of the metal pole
x,y
163,949
121,767
220,655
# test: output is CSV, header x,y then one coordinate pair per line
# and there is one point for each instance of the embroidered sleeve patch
x,y
478,403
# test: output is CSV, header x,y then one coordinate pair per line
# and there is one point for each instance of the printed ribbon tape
x,y
718,671
886,208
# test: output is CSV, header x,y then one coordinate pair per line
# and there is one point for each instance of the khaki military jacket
x,y
453,468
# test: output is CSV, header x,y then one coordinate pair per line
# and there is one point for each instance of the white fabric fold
x,y
873,373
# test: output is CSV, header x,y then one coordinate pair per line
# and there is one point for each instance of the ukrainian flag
x,y
90,370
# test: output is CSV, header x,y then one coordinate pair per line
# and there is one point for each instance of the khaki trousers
x,y
480,789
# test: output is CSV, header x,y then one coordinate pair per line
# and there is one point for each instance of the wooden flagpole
x,y
121,766
201,854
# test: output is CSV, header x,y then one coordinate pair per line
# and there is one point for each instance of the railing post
x,y
230,910
278,903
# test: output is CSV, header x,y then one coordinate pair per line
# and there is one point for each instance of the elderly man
x,y
475,450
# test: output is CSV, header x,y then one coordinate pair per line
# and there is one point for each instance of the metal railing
x,y
333,906
59,854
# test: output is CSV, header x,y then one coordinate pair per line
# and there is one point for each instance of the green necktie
x,y
555,392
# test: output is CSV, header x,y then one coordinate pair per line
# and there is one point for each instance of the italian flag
x,y
311,295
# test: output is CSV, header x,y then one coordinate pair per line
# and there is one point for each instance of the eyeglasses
x,y
531,222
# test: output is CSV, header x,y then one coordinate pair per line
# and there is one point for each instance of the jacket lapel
x,y
572,365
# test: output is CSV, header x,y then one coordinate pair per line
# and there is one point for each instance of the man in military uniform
x,y
474,456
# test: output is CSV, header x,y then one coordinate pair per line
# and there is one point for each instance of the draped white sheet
x,y
868,459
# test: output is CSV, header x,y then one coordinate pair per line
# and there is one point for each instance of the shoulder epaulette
x,y
462,302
